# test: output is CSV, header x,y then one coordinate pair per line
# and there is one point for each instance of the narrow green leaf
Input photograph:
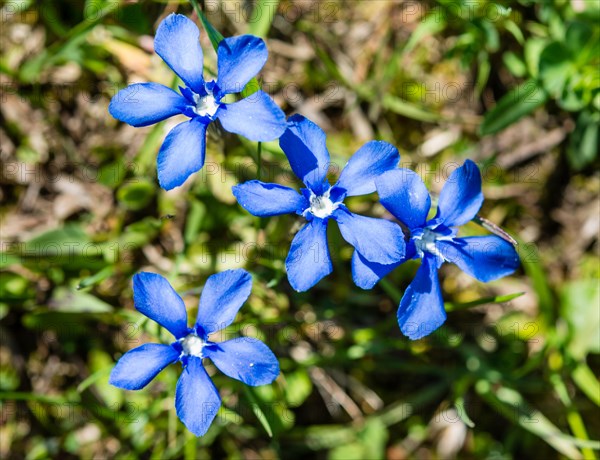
x,y
497,299
258,412
136,195
194,220
407,109
587,382
432,24
511,405
391,290
262,17
214,35
93,379
96,278
583,142
517,103
66,300
573,417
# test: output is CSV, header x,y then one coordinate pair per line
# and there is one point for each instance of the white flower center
x,y
427,242
206,106
192,345
321,206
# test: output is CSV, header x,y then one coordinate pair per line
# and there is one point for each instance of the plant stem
x,y
258,160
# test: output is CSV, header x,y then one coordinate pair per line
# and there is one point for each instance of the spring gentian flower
x,y
197,400
240,58
308,261
486,258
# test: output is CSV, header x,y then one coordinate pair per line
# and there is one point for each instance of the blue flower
x,y
240,58
308,261
197,400
486,258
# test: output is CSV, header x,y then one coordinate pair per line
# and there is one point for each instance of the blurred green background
x,y
514,85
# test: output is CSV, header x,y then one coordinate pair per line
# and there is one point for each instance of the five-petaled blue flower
x,y
486,258
196,399
376,240
240,58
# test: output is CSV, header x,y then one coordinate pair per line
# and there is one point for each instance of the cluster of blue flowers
x,y
380,245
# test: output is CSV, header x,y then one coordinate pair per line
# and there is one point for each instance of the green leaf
x,y
258,412
407,109
579,35
100,373
347,451
14,287
194,220
514,64
515,31
214,35
432,24
534,269
533,49
511,405
483,72
298,387
583,142
587,382
497,299
66,300
101,363
517,103
70,233
579,306
262,17
556,67
373,438
136,195
96,278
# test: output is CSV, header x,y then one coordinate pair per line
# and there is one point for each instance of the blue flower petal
x,y
308,260
197,401
404,194
421,309
143,104
239,59
461,196
367,274
177,42
485,258
369,162
377,240
246,359
154,297
303,142
139,366
223,295
256,117
265,200
182,153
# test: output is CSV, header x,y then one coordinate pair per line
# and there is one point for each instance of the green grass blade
x,y
262,17
258,412
511,405
93,378
587,382
497,299
513,106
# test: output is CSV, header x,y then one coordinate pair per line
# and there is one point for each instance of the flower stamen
x,y
426,243
206,106
192,345
321,206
